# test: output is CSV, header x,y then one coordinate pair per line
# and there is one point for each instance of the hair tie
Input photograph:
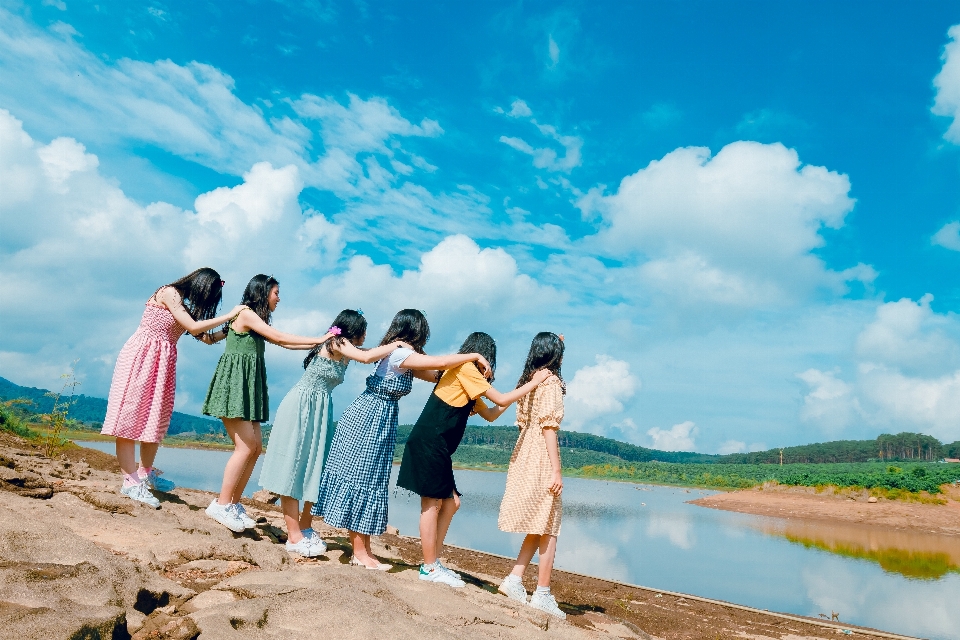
x,y
359,312
334,330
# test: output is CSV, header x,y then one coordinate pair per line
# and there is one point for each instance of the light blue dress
x,y
302,432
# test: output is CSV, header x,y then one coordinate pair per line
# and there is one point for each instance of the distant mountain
x,y
902,446
93,410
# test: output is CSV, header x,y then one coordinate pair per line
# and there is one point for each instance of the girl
x,y
531,503
144,380
427,466
353,488
238,393
303,428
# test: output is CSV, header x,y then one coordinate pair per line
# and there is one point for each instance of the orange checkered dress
x,y
528,506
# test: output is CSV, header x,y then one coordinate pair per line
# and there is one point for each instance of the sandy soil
x,y
802,503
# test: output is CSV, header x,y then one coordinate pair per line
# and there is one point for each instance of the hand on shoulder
x,y
542,375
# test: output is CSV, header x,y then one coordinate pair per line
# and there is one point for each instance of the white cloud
x,y
544,157
736,446
598,390
907,375
737,228
70,235
679,437
829,402
947,83
948,236
553,51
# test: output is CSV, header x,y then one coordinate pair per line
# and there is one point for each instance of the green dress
x,y
239,385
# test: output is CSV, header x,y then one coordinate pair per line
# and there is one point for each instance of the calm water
x,y
900,582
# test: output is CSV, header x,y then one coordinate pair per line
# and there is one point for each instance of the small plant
x,y
53,442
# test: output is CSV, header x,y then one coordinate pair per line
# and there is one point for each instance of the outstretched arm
x,y
491,413
366,356
249,321
423,362
171,299
506,399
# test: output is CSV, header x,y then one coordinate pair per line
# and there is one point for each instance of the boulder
x,y
265,496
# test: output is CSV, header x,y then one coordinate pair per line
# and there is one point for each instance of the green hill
x,y
493,444
91,411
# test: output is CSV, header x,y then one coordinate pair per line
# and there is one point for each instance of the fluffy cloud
x,y
679,437
599,390
947,82
70,235
737,228
907,375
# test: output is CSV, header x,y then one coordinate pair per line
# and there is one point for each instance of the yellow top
x,y
460,385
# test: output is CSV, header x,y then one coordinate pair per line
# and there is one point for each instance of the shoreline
x,y
213,579
844,507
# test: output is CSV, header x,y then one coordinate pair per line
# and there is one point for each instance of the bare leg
x,y
361,548
306,518
127,456
429,514
246,448
251,462
447,510
529,547
148,453
291,517
548,549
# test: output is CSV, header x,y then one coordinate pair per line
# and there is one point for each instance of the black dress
x,y
427,464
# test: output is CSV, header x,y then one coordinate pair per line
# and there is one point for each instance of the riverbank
x,y
845,506
178,573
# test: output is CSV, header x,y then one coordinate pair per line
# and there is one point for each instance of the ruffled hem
x,y
346,505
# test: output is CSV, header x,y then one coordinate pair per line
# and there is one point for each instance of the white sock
x,y
543,590
513,578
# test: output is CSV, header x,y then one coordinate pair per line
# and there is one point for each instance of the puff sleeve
x,y
549,401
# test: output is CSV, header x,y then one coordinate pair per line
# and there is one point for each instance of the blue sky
x,y
744,216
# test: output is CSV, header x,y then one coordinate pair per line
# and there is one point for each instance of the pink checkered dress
x,y
145,379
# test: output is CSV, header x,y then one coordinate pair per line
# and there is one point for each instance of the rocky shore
x,y
78,561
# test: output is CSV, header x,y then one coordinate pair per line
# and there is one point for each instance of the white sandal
x,y
380,567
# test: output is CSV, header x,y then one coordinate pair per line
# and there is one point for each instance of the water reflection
x,y
911,554
897,581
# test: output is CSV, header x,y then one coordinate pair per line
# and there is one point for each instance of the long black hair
x,y
410,326
352,326
200,292
257,295
482,343
546,352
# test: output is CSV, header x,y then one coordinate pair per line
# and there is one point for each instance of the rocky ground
x,y
79,561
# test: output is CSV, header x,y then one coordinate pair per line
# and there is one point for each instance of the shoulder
x,y
399,355
551,381
168,294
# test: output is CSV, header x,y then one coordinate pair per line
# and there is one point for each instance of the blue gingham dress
x,y
354,488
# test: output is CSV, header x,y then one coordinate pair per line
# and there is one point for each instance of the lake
x,y
901,582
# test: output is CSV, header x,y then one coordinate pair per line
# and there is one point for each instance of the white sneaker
x,y
140,493
448,570
225,515
315,540
307,548
436,574
241,513
547,603
513,589
154,481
